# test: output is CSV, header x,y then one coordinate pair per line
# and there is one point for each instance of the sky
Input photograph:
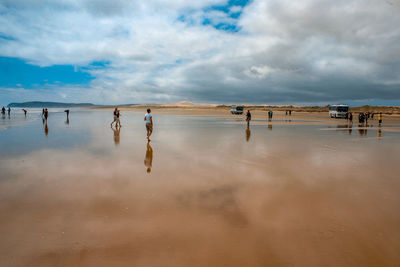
x,y
309,52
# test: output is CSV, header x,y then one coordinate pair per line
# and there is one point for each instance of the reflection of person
x,y
248,117
248,133
116,134
148,118
379,133
350,130
46,129
116,118
148,160
270,127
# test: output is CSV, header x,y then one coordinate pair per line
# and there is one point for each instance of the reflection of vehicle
x,y
237,109
338,111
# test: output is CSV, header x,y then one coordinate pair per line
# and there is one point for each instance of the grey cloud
x,y
286,51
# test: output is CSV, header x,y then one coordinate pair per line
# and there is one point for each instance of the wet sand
x,y
218,194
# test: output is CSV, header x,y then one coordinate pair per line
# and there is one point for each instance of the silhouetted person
x,y
290,113
270,114
116,118
360,117
366,116
248,117
351,117
67,111
148,118
9,111
116,134
248,133
148,160
286,113
46,114
3,110
25,111
372,115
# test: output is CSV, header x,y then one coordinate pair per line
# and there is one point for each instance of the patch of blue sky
x,y
228,9
6,38
15,72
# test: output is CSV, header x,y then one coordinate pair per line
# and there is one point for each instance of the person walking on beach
x,y
67,111
3,110
25,111
116,118
46,114
9,111
148,118
380,118
248,117
351,117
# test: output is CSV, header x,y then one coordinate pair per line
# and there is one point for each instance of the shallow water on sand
x,y
206,191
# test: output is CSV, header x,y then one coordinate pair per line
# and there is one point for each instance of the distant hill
x,y
39,104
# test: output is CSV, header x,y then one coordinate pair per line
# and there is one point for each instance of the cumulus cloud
x,y
311,51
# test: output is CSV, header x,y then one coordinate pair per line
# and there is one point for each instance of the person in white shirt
x,y
149,123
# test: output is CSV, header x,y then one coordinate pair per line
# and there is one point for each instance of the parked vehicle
x,y
338,111
237,109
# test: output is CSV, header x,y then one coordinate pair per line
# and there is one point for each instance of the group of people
x,y
3,111
363,117
148,118
270,114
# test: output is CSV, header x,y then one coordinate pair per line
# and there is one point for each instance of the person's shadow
x,y
148,160
116,131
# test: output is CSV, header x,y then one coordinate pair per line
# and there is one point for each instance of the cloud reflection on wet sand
x,y
281,206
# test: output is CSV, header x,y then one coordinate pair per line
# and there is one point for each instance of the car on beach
x,y
237,109
338,111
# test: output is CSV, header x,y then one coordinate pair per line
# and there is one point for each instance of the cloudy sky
x,y
215,51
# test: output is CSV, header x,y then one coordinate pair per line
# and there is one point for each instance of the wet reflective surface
x,y
206,191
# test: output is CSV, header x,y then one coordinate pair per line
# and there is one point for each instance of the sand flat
x,y
218,193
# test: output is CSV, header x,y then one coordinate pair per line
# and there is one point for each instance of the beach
x,y
300,190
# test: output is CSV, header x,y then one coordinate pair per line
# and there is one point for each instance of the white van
x,y
338,111
237,109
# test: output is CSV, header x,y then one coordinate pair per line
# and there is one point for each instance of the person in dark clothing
x,y
46,114
3,110
248,117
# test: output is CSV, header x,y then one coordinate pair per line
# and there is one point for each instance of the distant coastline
x,y
40,104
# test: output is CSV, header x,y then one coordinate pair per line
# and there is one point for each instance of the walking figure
x,y
248,117
116,118
148,118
